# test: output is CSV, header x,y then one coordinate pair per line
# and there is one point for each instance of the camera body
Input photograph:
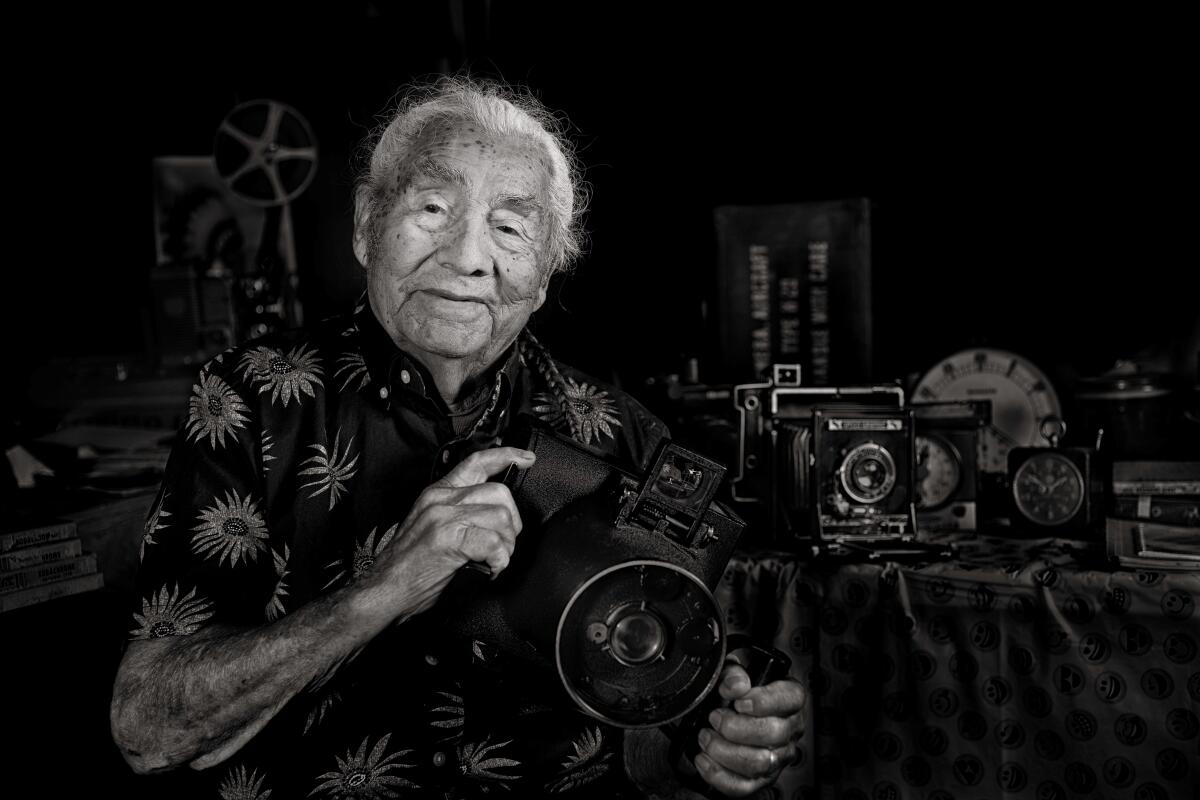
x,y
611,583
863,466
793,446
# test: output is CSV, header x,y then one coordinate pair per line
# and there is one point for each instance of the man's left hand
x,y
749,745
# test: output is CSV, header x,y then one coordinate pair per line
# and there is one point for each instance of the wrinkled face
x,y
455,269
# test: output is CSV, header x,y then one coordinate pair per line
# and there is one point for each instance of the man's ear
x,y
362,224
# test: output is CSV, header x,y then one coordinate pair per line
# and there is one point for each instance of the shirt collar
x,y
401,374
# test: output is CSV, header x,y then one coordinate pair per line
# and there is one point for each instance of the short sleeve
x,y
207,554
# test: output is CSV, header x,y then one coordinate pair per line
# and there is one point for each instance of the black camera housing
x,y
610,585
862,474
776,451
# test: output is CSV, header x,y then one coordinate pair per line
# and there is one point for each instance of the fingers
x,y
735,682
728,783
487,546
755,731
478,467
746,761
778,699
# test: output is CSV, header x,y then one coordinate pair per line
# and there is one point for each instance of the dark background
x,y
1031,177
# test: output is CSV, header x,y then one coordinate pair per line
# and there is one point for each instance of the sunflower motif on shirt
x,y
268,442
363,558
215,411
231,529
594,411
331,470
238,785
275,608
586,765
154,523
366,776
351,368
286,377
165,613
479,761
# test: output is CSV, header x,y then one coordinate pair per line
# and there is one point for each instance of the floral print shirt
x,y
301,455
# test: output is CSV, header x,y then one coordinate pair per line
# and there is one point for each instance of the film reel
x,y
266,152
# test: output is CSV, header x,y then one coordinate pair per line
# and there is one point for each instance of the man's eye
x,y
509,229
433,208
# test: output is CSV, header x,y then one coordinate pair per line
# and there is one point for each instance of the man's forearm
x,y
197,699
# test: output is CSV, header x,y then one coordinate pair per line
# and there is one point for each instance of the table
x,y
1020,669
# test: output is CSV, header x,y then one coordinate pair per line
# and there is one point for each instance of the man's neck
x,y
456,379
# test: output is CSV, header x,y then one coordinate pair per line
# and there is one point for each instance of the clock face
x,y
1021,398
938,471
1048,488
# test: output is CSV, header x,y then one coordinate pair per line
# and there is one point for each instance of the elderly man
x,y
330,483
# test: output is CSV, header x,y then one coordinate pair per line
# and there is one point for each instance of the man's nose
x,y
466,247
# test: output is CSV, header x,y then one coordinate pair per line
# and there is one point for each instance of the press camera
x,y
611,583
828,464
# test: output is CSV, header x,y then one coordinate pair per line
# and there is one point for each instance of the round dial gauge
x,y
1021,398
939,471
868,473
1048,488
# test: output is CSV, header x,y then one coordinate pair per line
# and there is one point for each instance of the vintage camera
x,y
781,469
611,583
862,474
950,455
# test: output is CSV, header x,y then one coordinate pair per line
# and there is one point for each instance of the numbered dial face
x,y
1021,398
1048,489
939,471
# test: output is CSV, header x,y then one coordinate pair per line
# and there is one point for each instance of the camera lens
x,y
637,637
868,473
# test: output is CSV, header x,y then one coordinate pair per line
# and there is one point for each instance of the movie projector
x,y
266,154
226,269
611,582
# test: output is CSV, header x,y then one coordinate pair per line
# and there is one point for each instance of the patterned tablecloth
x,y
1015,671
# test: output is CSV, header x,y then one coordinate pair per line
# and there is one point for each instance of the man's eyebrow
x,y
521,203
427,167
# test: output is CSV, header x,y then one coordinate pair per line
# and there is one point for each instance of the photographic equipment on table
x,y
267,155
863,467
777,454
950,450
1055,489
611,582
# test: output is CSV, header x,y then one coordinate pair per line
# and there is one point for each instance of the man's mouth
x,y
458,298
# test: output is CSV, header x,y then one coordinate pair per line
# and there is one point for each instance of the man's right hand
x,y
461,517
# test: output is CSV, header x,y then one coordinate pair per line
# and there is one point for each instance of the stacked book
x,y
1154,517
40,561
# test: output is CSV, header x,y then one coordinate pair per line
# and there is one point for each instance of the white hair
x,y
498,110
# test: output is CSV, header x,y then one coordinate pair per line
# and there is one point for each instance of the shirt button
x,y
431,660
383,393
404,376
439,759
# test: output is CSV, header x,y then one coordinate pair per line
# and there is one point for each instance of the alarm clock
x,y
1022,398
1055,490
